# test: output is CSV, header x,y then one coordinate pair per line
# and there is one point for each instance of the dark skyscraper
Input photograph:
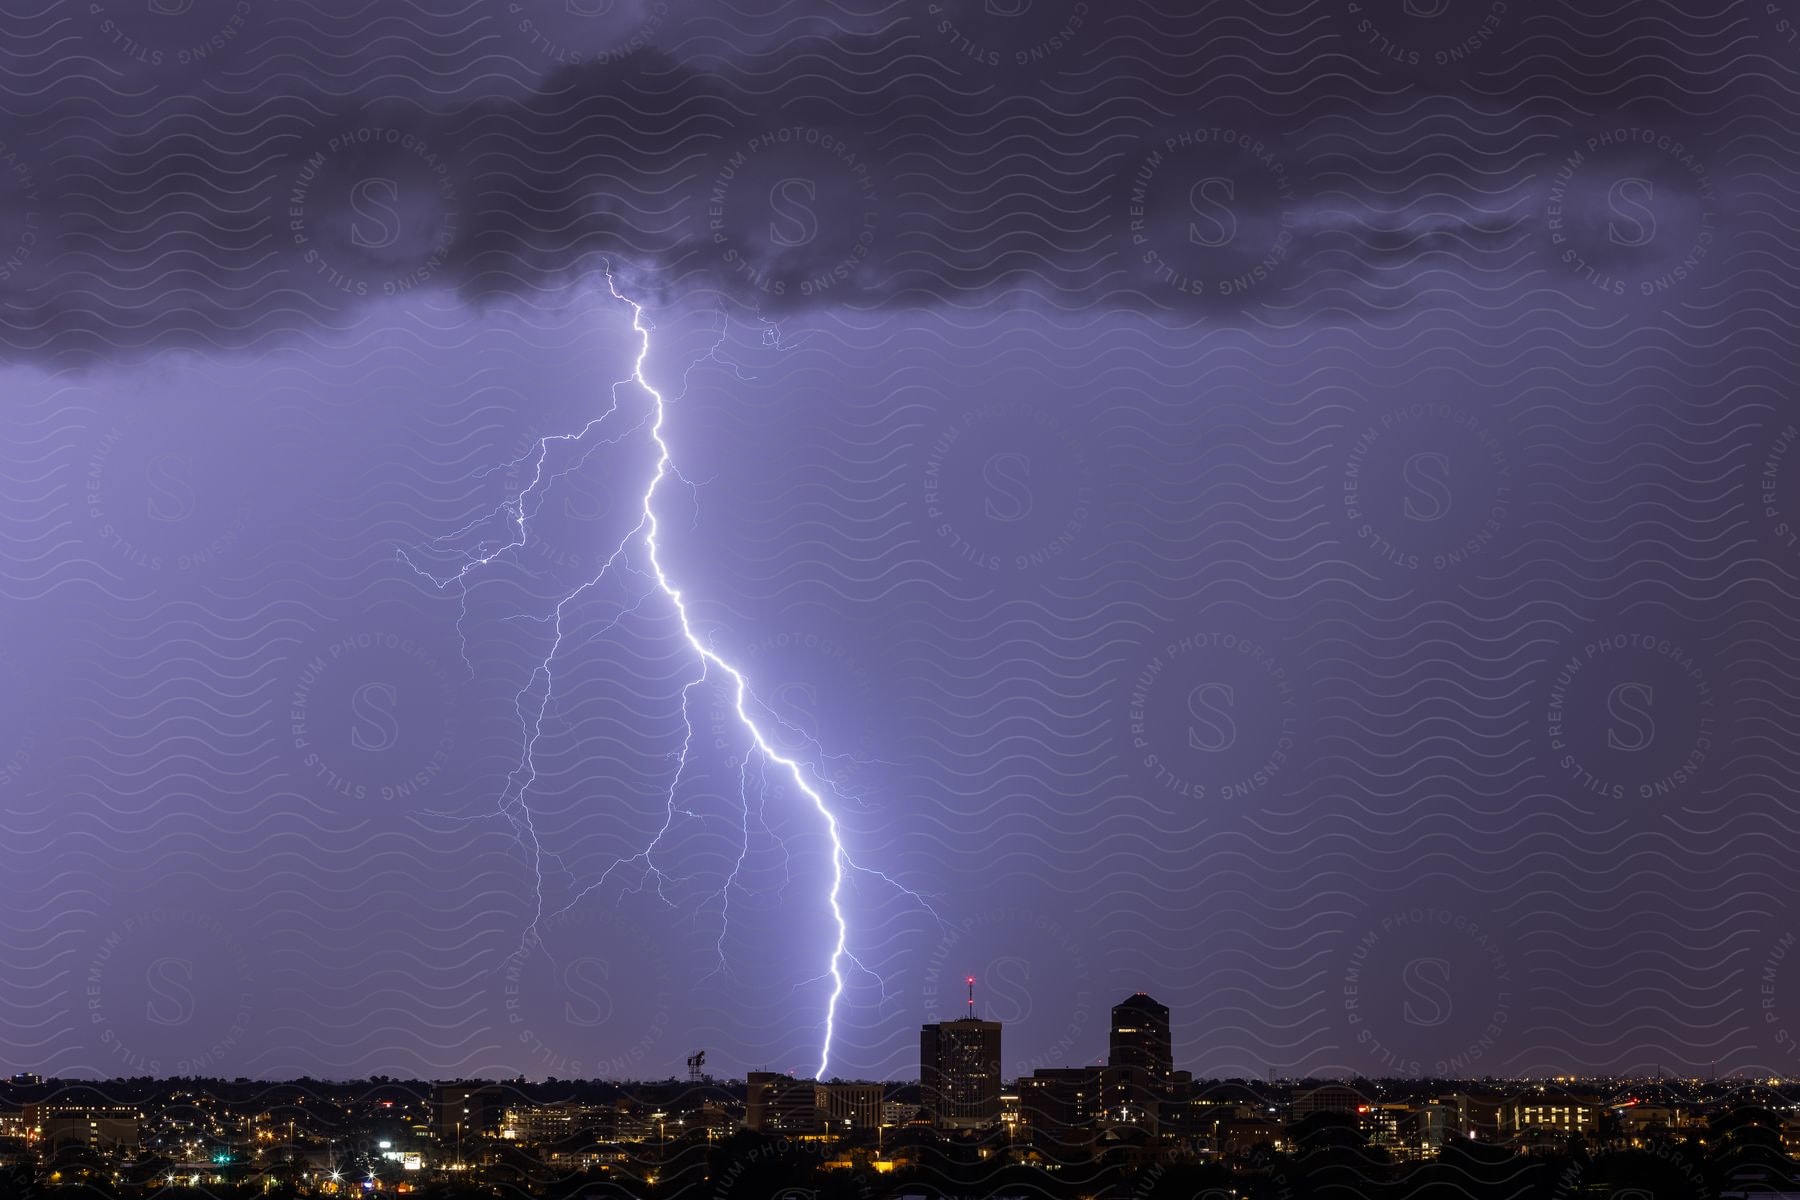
x,y
1140,1036
959,1073
778,1103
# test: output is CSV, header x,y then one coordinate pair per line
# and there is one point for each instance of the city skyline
x,y
1119,1128
1139,1039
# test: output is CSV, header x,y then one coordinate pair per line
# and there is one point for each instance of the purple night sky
x,y
1293,508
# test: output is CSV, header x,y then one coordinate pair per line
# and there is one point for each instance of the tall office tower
x,y
1140,1036
778,1103
959,1072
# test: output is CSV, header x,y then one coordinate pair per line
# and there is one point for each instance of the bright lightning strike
x,y
518,513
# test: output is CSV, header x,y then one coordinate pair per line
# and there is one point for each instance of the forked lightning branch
x,y
639,551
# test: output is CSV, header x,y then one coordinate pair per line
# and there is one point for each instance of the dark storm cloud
x,y
1086,154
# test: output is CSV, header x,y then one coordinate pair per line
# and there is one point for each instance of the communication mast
x,y
696,1060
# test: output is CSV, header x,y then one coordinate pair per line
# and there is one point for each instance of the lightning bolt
x,y
517,513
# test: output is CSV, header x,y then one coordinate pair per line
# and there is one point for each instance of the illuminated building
x,y
1140,1065
849,1106
538,1122
1141,1037
1539,1113
959,1073
778,1103
100,1126
1424,1132
1059,1108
